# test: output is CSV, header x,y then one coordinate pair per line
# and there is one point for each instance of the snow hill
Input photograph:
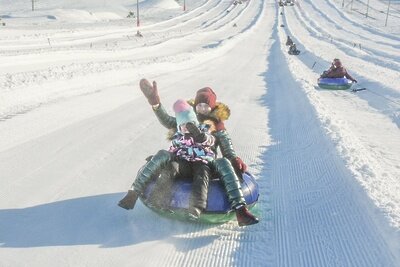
x,y
75,128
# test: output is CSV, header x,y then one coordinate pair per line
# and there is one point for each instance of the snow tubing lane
x,y
218,208
334,83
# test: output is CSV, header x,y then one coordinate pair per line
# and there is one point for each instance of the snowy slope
x,y
75,128
368,140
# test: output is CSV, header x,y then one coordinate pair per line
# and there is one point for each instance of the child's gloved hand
x,y
238,164
198,136
150,91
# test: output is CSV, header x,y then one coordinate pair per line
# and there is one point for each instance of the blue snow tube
x,y
218,207
334,83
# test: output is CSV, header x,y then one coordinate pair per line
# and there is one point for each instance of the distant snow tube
x,y
297,52
334,83
218,208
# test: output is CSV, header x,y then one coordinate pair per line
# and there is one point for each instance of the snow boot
x,y
244,217
129,201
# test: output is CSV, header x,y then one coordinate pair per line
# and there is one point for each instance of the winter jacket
x,y
221,166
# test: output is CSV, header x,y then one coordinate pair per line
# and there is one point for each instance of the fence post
x,y
137,11
315,62
387,13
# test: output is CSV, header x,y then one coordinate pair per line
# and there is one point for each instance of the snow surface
x,y
75,128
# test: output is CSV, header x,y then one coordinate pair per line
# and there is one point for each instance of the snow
x,y
75,128
160,4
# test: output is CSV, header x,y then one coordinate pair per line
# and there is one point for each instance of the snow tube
x,y
218,208
297,52
334,83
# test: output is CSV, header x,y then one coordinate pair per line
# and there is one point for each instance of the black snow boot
x,y
129,201
244,217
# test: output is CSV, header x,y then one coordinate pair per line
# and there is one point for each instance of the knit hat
x,y
184,113
206,95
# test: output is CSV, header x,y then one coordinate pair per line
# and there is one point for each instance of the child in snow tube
x,y
214,113
191,148
336,77
337,71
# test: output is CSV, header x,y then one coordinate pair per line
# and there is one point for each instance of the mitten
x,y
150,92
239,164
198,136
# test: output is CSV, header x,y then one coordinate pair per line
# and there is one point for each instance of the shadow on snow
x,y
93,220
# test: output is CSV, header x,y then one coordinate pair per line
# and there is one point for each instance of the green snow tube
x,y
218,207
334,83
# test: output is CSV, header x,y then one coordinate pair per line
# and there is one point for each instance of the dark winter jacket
x,y
215,119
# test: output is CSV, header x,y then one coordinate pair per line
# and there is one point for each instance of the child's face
x,y
203,108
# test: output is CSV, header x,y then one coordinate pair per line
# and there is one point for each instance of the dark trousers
x,y
199,172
